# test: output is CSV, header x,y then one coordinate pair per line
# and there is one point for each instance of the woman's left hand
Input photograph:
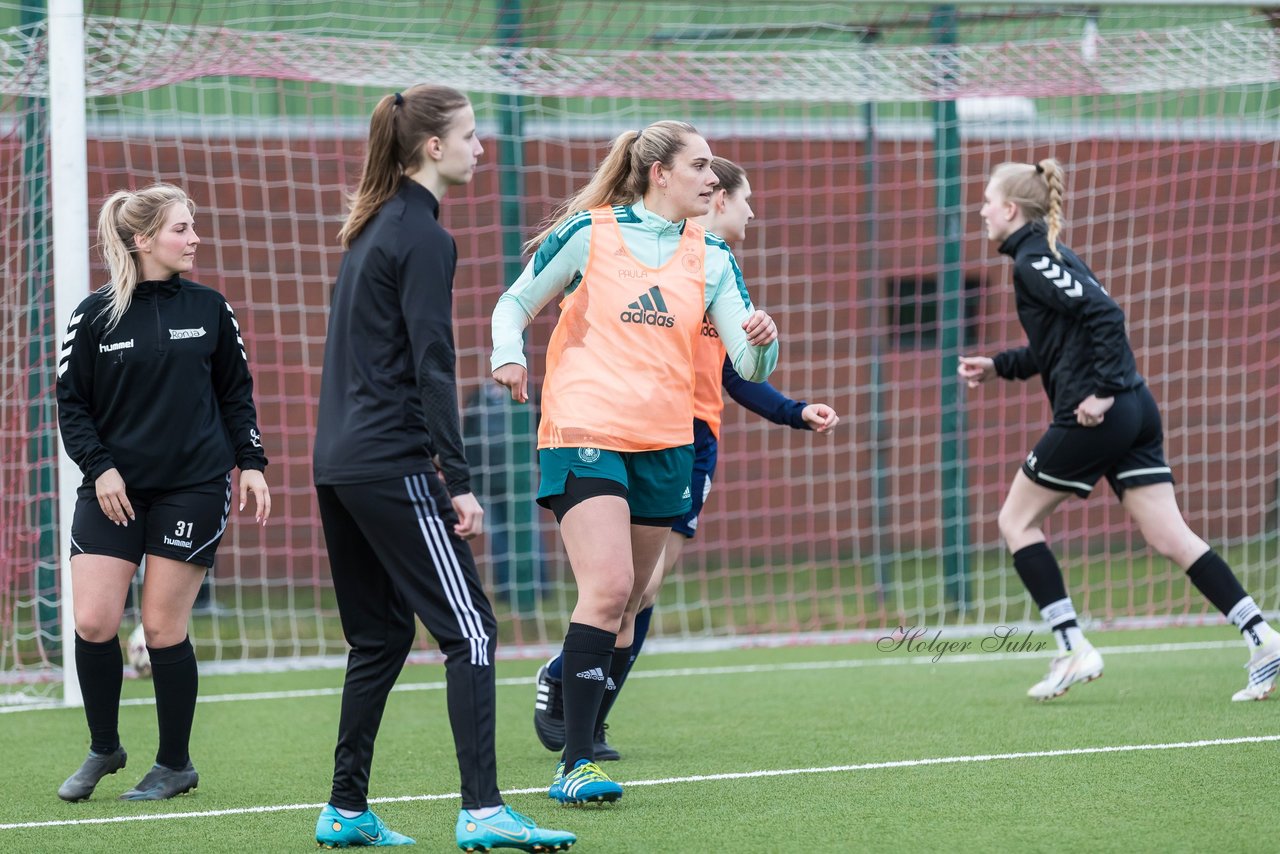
x,y
1092,409
252,480
760,329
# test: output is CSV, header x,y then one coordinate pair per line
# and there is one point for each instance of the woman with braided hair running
x,y
1105,424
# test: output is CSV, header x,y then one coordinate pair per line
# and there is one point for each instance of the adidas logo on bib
x,y
708,328
649,309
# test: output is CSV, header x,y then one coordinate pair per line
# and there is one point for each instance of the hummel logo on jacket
x,y
166,396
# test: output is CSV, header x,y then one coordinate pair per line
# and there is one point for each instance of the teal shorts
x,y
657,482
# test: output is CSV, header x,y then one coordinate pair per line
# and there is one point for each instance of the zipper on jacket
x,y
661,261
159,337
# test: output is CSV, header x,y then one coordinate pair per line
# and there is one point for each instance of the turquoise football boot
x,y
508,829
333,830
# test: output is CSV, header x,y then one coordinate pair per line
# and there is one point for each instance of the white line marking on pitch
x,y
732,670
697,778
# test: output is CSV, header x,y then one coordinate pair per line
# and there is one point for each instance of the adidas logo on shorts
x,y
595,674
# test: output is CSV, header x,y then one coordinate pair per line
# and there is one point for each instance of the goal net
x,y
867,131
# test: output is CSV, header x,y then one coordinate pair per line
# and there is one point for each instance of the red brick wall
x,y
1181,233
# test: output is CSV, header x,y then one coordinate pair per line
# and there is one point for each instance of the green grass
x,y
279,752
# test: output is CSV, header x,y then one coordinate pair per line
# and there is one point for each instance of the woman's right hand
x,y
515,378
976,369
112,498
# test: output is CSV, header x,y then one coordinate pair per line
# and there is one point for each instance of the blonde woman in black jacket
x,y
155,405
1105,423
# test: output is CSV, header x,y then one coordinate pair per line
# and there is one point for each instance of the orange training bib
x,y
620,362
708,365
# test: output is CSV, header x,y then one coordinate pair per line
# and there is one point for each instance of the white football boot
x,y
1263,666
1080,665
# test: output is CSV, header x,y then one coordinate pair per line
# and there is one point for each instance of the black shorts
x,y
184,525
1127,447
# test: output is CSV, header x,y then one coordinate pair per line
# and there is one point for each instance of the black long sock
x,y
588,658
1040,574
613,685
177,681
1212,577
100,672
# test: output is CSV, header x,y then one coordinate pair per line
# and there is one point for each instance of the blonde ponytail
x,y
623,175
1053,178
124,217
117,255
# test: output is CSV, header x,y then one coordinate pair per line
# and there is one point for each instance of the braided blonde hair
x,y
1037,190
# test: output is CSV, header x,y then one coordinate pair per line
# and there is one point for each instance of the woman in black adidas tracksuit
x,y
1105,423
155,405
396,530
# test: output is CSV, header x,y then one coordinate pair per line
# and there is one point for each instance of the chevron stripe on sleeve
x,y
1059,276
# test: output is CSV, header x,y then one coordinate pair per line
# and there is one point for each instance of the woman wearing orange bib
x,y
616,438
728,219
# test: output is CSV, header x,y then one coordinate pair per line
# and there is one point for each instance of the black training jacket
x,y
1075,331
388,394
166,396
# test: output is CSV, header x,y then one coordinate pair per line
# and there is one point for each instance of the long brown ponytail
x,y
401,122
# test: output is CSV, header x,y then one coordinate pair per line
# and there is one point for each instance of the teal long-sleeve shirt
x,y
557,267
